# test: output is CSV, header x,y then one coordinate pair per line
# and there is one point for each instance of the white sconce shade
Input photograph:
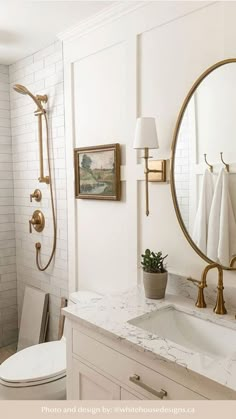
x,y
146,133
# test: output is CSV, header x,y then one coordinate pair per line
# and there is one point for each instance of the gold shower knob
x,y
37,221
37,195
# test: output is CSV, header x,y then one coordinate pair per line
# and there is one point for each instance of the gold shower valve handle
x,y
30,225
37,221
37,195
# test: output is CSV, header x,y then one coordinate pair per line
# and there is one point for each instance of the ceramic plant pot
x,y
155,284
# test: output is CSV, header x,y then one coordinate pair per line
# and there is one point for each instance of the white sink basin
x,y
189,331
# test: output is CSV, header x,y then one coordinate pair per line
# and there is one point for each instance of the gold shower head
x,y
19,88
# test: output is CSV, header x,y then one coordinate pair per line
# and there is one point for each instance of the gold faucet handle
x,y
30,225
195,281
37,221
34,221
37,195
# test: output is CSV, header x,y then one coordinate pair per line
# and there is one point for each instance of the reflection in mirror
x,y
205,196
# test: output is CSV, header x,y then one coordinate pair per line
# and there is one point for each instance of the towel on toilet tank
x,y
202,217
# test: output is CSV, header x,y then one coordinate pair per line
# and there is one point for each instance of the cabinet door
x,y
127,395
87,384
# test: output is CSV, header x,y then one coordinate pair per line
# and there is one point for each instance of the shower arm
x,y
42,179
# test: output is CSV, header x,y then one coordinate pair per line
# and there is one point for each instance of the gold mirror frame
x,y
173,149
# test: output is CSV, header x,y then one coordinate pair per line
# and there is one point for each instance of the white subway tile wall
x,y
8,303
41,73
182,169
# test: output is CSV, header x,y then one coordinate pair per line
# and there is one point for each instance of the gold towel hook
x,y
226,165
209,165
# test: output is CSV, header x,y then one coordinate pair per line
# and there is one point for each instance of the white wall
x,y
143,63
41,73
216,127
8,304
215,105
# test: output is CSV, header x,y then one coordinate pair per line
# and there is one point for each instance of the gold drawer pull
x,y
136,380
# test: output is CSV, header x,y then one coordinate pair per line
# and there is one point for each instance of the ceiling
x,y
28,26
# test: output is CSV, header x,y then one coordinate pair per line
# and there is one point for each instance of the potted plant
x,y
154,274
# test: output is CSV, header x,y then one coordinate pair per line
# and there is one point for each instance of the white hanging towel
x,y
221,243
202,217
214,220
227,230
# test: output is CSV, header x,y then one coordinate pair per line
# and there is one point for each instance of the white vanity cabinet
x,y
98,369
88,384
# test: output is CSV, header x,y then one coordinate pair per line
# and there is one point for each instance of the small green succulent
x,y
153,262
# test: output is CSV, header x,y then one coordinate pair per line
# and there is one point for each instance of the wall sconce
x,y
146,138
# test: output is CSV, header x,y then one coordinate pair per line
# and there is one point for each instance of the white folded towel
x,y
201,221
221,242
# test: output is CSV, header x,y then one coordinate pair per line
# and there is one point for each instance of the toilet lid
x,y
37,363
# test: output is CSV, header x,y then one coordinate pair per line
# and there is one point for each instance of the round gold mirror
x,y
203,165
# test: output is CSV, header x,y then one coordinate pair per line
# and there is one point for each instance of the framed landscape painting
x,y
97,172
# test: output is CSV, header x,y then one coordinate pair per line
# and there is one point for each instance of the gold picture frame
x,y
97,172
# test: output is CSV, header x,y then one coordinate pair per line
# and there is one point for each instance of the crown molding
x,y
108,15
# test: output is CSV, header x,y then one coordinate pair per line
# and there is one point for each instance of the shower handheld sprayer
x,y
41,113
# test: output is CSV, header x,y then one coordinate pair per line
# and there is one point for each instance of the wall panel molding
x,y
158,73
109,15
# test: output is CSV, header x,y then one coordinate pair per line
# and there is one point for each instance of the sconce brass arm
x,y
146,172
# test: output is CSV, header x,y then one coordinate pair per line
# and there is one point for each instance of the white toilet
x,y
39,372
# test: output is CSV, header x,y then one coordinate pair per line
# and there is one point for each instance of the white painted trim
x,y
71,202
102,18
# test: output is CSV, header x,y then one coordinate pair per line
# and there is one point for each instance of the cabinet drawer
x,y
122,368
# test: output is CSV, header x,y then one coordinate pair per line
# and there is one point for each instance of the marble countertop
x,y
110,315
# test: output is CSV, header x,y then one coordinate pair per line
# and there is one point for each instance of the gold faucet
x,y
220,304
